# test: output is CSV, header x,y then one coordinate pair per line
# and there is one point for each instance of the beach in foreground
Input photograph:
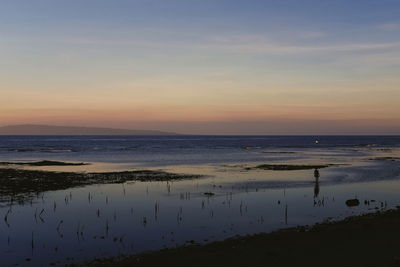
x,y
365,240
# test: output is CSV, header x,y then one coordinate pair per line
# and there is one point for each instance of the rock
x,y
352,202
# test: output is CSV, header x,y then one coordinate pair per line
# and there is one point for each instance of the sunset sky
x,y
203,66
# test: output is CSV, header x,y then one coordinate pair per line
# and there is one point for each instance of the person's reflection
x,y
316,185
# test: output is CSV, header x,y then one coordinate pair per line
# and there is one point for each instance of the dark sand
x,y
367,240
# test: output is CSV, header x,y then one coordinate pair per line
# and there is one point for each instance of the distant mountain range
x,y
28,129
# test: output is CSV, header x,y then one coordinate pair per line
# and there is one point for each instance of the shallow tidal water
x,y
96,221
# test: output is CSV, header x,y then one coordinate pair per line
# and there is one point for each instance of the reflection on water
x,y
73,225
108,220
316,186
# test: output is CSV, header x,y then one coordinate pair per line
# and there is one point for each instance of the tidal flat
x,y
59,209
75,217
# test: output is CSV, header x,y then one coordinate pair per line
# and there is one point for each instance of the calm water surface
x,y
79,224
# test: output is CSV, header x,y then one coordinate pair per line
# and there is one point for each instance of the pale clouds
x,y
266,45
389,26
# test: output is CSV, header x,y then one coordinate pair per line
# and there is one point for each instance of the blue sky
x,y
167,62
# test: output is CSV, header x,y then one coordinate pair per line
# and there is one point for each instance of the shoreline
x,y
366,240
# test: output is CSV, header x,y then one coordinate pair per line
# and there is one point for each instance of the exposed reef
x,y
288,167
20,184
385,158
44,163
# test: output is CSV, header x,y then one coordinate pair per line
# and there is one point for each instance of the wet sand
x,y
367,240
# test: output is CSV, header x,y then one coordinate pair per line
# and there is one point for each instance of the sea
x,y
176,150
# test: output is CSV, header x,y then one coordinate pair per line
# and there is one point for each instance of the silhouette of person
x,y
316,173
316,185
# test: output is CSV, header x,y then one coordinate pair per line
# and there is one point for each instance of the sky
x,y
203,66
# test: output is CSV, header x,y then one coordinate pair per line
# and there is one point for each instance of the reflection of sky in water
x,y
140,216
108,220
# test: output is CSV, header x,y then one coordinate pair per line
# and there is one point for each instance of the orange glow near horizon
x,y
181,71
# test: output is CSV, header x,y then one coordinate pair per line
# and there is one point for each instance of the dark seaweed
x,y
18,184
386,158
45,163
286,167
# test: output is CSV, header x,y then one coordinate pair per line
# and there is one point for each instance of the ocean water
x,y
178,150
84,223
